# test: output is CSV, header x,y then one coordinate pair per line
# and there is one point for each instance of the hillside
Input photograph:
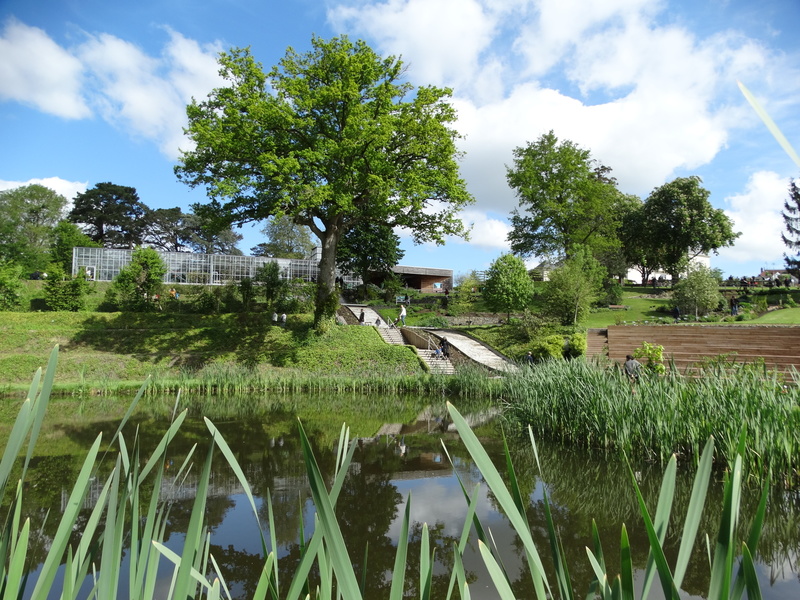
x,y
115,347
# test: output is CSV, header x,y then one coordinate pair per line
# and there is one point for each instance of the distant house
x,y
776,275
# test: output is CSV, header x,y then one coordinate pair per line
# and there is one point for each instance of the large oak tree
x,y
332,138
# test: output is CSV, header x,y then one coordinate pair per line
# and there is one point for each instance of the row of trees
x,y
568,200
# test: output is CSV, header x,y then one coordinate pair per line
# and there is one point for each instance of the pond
x,y
387,470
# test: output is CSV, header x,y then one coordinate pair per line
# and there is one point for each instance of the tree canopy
x,y
574,287
791,220
679,223
111,215
28,215
566,199
369,248
507,286
286,239
331,138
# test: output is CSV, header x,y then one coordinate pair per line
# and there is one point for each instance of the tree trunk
x,y
327,300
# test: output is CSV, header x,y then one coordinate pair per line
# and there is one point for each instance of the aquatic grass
x,y
579,403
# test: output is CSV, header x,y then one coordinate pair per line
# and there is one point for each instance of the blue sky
x,y
94,91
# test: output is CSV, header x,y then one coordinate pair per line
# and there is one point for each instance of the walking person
x,y
632,368
403,314
445,348
283,320
361,317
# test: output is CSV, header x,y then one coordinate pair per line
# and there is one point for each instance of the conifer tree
x,y
791,218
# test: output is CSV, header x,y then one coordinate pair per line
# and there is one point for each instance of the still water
x,y
386,471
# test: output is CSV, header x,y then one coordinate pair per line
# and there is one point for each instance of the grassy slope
x,y
109,347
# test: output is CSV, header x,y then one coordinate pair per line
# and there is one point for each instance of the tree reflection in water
x,y
582,487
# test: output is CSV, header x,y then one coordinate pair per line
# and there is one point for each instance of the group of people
x,y
275,319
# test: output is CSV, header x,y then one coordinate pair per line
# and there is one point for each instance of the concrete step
x,y
437,365
391,336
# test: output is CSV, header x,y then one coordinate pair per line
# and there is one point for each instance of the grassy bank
x,y
110,351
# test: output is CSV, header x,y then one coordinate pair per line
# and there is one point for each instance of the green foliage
x,y
613,293
549,347
65,237
111,215
273,286
791,221
574,287
679,223
10,285
63,292
508,287
654,354
367,249
27,217
535,324
286,239
363,149
698,292
569,199
138,284
576,345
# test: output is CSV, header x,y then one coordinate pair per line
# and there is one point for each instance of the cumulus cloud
x,y
648,99
35,70
757,214
142,94
148,95
485,231
68,189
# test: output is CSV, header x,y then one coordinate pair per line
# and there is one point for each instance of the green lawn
x,y
642,305
786,316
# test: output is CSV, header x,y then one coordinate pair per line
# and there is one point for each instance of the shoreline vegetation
x,y
127,512
216,359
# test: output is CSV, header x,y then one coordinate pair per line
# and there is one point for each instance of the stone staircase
x,y
391,335
441,366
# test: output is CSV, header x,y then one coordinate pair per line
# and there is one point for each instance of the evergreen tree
x,y
791,218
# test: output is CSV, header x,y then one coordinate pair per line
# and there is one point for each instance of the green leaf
x,y
694,511
340,560
400,556
505,500
498,575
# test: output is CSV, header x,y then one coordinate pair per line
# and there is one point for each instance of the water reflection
x,y
386,470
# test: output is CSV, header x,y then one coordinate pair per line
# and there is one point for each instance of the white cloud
x,y
35,70
148,95
647,99
136,92
757,214
486,232
441,40
68,189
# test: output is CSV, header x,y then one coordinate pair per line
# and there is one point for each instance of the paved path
x,y
468,346
475,350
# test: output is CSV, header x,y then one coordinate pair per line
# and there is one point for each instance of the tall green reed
x,y
580,403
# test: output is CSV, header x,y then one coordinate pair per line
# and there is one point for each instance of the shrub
x,y
62,292
654,354
551,346
576,345
139,285
10,285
